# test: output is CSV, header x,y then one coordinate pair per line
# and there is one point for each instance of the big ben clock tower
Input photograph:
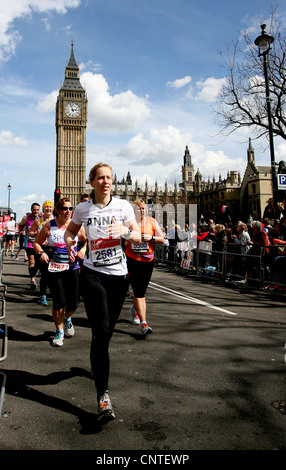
x,y
71,122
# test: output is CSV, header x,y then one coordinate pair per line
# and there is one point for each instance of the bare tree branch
x,y
241,102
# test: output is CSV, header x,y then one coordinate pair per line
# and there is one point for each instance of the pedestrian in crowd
x,y
203,252
242,239
218,237
283,228
272,211
10,235
259,236
277,230
260,240
140,262
224,215
181,239
84,197
193,237
63,275
21,244
166,244
26,223
38,223
160,251
211,232
267,227
104,277
171,238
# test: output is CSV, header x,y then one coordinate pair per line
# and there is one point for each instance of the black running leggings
x,y
140,273
64,288
103,297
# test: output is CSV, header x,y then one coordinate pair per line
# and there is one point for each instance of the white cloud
x,y
280,152
14,9
8,138
209,88
180,82
25,200
121,112
206,90
48,103
219,163
162,146
28,199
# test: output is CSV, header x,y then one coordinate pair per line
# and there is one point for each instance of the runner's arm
x,y
83,239
22,223
130,231
70,234
41,237
34,228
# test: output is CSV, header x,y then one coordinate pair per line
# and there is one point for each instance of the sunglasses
x,y
64,208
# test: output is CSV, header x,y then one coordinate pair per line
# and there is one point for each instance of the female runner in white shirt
x,y
104,276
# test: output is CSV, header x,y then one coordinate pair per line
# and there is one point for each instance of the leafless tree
x,y
241,102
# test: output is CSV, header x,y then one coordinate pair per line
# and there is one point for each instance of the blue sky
x,y
151,69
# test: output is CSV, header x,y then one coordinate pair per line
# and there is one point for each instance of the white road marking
x,y
166,290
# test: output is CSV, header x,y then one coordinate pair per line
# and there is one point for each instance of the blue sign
x,y
281,181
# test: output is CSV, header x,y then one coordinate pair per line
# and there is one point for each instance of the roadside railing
x,y
3,329
260,266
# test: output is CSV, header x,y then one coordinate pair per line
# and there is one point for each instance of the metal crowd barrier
x,y
262,267
3,329
1,264
4,341
3,379
1,259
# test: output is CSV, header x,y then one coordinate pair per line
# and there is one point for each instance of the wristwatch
x,y
128,234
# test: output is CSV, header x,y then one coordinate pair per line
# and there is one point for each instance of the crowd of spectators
x,y
251,246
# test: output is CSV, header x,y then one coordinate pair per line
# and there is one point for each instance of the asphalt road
x,y
212,375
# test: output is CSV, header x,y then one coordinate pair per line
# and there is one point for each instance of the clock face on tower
x,y
72,110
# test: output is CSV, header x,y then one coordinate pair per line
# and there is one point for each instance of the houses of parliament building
x,y
244,195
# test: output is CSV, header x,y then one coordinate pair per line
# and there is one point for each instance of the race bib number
x,y
57,267
142,248
105,252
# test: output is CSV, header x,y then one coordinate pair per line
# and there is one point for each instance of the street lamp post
x,y
264,42
9,187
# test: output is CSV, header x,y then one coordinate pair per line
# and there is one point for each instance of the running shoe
x,y
105,412
33,284
68,328
145,329
58,339
43,300
12,253
134,316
